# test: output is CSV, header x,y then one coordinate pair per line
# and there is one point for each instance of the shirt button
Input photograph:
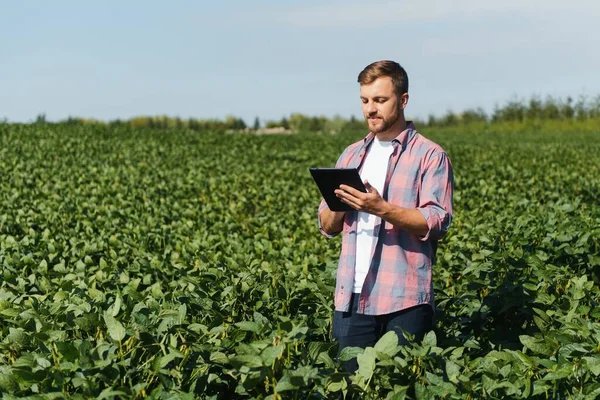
x,y
342,287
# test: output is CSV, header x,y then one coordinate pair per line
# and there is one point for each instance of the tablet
x,y
330,179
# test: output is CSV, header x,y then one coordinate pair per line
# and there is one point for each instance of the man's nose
x,y
371,107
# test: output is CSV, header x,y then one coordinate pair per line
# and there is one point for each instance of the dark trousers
x,y
351,329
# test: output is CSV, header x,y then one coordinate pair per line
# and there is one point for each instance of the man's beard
x,y
385,123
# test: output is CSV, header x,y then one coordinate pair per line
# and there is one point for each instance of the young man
x,y
389,243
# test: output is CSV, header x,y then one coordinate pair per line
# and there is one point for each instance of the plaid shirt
x,y
419,176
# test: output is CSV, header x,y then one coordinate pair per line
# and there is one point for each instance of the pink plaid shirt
x,y
419,176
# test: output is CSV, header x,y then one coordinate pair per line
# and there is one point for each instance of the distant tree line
x,y
163,122
534,109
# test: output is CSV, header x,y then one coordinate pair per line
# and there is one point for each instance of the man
x,y
389,243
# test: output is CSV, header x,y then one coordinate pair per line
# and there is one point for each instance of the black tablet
x,y
330,179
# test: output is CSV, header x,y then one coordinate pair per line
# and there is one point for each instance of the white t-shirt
x,y
374,170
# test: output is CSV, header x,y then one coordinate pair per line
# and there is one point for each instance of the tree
x,y
178,123
334,125
256,125
284,123
473,115
40,119
234,123
303,123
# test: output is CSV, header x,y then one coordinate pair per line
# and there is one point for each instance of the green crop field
x,y
172,264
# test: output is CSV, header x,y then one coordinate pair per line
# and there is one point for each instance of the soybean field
x,y
176,264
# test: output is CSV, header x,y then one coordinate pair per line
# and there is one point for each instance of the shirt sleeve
x,y
435,198
323,205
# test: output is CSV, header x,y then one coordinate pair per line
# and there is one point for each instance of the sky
x,y
207,59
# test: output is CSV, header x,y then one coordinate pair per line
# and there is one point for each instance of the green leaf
x,y
314,348
284,384
8,384
43,363
366,362
453,371
116,306
399,393
26,361
110,393
536,345
336,382
539,322
248,326
247,360
348,353
11,312
430,339
115,329
326,359
559,374
528,362
173,354
593,363
198,328
388,344
270,354
219,357
421,392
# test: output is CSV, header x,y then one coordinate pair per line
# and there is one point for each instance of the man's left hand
x,y
370,202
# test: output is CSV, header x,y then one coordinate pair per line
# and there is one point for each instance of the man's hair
x,y
383,68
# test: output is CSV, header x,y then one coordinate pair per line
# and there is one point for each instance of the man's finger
x,y
348,198
351,190
343,194
349,202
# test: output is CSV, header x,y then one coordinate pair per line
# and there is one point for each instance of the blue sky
x,y
118,59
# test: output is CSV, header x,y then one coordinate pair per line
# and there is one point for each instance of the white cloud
x,y
363,14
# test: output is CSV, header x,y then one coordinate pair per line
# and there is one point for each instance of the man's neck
x,y
396,129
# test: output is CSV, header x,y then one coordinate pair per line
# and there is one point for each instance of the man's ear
x,y
403,101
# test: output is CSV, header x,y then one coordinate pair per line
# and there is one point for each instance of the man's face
x,y
381,105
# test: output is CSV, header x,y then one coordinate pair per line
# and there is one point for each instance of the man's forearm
x,y
409,219
332,222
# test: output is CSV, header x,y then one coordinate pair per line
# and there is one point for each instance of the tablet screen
x,y
330,179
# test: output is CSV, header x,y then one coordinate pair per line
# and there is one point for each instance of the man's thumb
x,y
369,188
